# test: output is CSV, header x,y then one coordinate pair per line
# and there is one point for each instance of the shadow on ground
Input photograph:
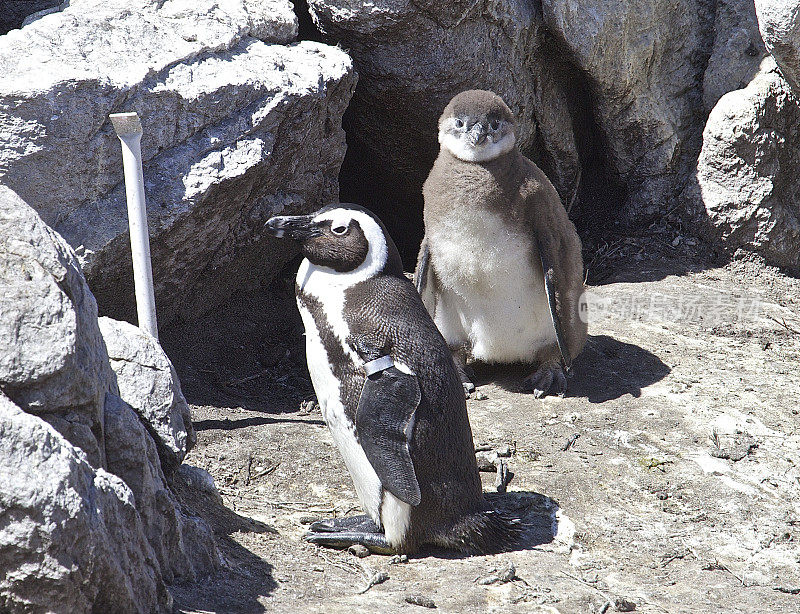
x,y
245,576
606,369
226,424
248,353
536,513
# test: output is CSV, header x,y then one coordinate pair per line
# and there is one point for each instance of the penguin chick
x,y
500,267
389,393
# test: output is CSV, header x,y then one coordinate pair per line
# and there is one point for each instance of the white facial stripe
x,y
337,217
376,255
462,150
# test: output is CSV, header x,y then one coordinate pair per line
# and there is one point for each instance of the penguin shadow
x,y
606,369
536,514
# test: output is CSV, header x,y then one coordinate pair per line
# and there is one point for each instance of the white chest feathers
x,y
384,509
491,293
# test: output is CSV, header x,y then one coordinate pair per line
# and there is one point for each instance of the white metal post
x,y
129,130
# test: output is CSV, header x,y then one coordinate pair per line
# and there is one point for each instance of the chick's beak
x,y
478,133
297,227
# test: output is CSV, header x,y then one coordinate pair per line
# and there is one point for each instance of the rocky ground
x,y
667,480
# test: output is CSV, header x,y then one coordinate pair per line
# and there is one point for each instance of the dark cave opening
x,y
396,196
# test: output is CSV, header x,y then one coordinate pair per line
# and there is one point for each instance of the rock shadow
x,y
536,512
248,353
606,369
226,424
243,578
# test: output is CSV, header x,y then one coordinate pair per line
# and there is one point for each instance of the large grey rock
x,y
70,536
15,12
412,57
184,547
737,52
779,22
148,382
645,64
236,128
53,361
747,170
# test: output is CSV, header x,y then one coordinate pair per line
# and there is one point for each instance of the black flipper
x,y
423,261
549,286
384,421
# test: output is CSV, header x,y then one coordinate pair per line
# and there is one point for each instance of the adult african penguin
x,y
389,393
500,267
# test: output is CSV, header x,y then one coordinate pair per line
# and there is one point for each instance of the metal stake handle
x,y
129,130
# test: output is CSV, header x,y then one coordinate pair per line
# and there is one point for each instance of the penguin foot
x,y
362,523
374,542
549,378
464,372
345,532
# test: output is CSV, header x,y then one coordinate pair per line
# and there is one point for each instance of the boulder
x,y
71,539
148,382
14,13
184,547
747,170
412,57
737,52
645,67
779,22
88,515
237,126
53,361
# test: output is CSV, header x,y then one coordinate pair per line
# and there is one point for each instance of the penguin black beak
x,y
297,227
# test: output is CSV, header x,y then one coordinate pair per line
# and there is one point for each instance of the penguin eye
x,y
339,230
459,123
494,124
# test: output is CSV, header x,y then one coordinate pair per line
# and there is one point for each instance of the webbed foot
x,y
361,523
345,532
464,372
547,379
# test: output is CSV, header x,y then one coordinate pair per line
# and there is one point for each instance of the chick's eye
x,y
459,123
339,230
494,124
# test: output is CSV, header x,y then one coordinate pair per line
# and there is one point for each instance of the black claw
x,y
561,383
547,379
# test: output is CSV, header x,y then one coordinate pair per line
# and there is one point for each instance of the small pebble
x,y
421,600
306,519
480,395
505,573
359,550
486,462
623,605
504,451
376,578
398,558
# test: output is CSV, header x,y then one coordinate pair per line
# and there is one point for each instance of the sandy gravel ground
x,y
668,479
